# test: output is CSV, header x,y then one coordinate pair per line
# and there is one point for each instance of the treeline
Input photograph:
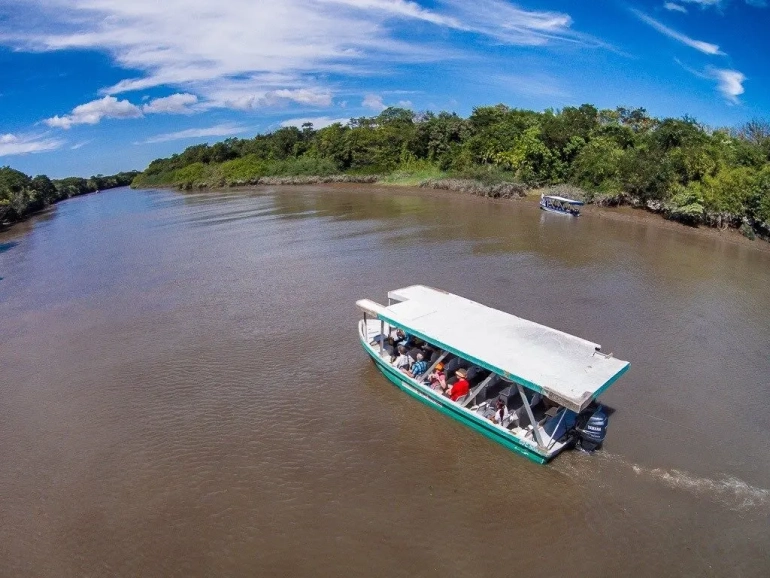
x,y
22,195
677,166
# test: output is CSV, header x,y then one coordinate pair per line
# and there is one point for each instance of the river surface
x,y
182,392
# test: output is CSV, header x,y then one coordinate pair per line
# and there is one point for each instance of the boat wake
x,y
728,490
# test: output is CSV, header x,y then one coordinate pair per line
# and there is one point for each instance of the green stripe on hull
x,y
397,378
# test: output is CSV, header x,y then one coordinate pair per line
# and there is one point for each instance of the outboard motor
x,y
592,432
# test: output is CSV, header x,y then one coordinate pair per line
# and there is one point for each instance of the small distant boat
x,y
554,204
531,388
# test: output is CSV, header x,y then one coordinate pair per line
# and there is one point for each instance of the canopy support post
x,y
427,373
382,337
531,417
553,441
476,390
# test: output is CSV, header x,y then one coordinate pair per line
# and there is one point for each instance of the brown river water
x,y
182,392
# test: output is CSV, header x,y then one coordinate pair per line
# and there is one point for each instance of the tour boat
x,y
554,204
531,388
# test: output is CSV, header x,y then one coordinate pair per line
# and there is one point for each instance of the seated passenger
x,y
437,379
403,362
400,337
419,367
413,352
460,387
501,412
454,364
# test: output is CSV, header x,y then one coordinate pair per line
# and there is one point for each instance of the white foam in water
x,y
728,490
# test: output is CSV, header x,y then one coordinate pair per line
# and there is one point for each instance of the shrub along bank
x,y
22,195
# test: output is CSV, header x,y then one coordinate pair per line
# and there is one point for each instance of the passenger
x,y
501,412
402,338
403,361
460,387
437,379
413,352
419,367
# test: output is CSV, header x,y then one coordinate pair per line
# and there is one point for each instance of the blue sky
x,y
99,86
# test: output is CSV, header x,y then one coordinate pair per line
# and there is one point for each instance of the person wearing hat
x,y
437,379
460,387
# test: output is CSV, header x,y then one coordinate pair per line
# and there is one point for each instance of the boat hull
x,y
451,409
558,212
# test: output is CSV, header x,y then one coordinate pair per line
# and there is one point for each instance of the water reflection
x,y
7,246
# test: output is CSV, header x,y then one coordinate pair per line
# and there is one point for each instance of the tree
x,y
597,165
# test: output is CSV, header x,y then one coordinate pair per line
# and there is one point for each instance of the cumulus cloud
x,y
178,103
675,7
94,111
705,47
729,83
225,129
316,121
248,54
374,102
11,144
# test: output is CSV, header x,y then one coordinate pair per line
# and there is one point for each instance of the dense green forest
x,y
22,195
676,166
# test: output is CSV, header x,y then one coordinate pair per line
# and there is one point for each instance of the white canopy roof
x,y
567,369
563,199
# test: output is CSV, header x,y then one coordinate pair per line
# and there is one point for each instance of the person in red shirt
x,y
460,387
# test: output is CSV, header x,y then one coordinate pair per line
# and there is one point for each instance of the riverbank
x,y
7,225
620,206
22,196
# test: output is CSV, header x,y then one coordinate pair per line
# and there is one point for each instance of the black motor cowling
x,y
591,430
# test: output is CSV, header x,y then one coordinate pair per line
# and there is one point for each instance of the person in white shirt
x,y
501,412
403,362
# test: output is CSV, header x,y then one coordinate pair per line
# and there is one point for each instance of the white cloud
x,y
703,3
216,130
11,144
402,8
246,54
675,7
529,84
94,111
719,3
374,102
79,145
729,83
316,121
178,103
705,47
404,104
